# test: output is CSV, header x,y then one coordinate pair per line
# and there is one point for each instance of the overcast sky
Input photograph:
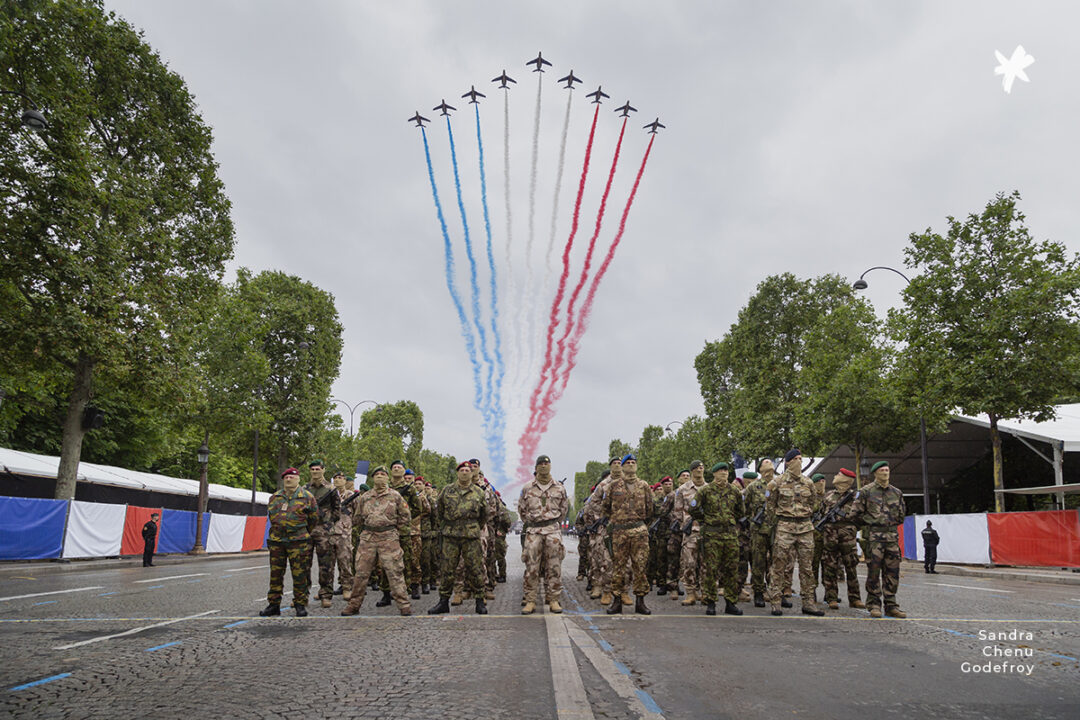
x,y
808,137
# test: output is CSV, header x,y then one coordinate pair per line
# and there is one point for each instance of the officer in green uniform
x,y
762,523
463,511
322,545
718,507
293,514
878,509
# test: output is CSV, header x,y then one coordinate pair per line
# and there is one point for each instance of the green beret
x,y
878,464
380,469
313,463
684,470
817,476
750,475
719,466
362,487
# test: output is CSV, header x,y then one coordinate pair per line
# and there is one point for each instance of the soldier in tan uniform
x,y
599,554
542,507
628,504
341,538
793,499
383,516
690,552
674,548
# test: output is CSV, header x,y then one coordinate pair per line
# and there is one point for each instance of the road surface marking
x,y
132,631
40,682
171,577
114,592
52,592
970,587
46,602
616,674
253,567
159,647
234,624
22,577
570,698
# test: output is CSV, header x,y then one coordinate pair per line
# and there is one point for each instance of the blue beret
x,y
628,458
791,455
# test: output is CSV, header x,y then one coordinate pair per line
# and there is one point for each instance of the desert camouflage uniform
x,y
599,554
792,498
542,509
408,492
322,542
840,553
689,553
292,517
629,506
819,538
878,511
342,540
462,516
718,508
382,516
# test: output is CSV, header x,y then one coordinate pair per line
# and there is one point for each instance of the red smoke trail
x,y
533,433
553,321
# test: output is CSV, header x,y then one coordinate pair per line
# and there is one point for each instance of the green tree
x,y
998,311
617,448
115,225
402,419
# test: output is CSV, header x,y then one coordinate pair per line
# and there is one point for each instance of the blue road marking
x,y
46,602
191,581
155,587
604,645
648,702
108,593
621,668
956,632
241,622
1067,657
1066,605
158,647
40,682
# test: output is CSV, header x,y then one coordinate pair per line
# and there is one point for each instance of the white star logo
x,y
1012,68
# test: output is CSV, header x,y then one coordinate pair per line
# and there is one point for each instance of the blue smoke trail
x,y
466,331
496,443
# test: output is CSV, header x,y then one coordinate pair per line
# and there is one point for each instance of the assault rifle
x,y
654,526
595,527
688,528
830,517
759,517
328,498
351,500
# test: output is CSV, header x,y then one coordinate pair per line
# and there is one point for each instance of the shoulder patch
x,y
857,493
693,503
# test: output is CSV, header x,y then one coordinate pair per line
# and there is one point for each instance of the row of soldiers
x,y
388,536
709,535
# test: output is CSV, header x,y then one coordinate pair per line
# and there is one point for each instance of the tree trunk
x,y
995,440
282,462
858,466
71,445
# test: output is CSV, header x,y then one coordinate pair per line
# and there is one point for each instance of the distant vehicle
x,y
626,109
418,119
539,62
503,79
599,95
444,107
473,93
570,80
654,125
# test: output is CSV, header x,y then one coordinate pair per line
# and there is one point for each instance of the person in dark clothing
x,y
149,535
930,541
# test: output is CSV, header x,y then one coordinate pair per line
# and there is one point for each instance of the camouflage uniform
x,y
323,544
292,518
658,559
582,544
878,511
416,533
839,552
342,542
429,536
760,535
690,555
501,528
542,509
718,508
462,514
408,492
382,515
599,553
819,536
793,500
629,506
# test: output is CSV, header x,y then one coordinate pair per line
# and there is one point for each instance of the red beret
x,y
290,471
464,465
846,473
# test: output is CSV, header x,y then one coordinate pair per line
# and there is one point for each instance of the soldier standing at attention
x,y
149,536
381,514
628,503
433,545
406,490
582,547
930,542
323,546
293,514
792,498
718,507
840,551
662,533
690,555
599,551
341,538
425,534
675,539
502,526
462,514
878,509
416,544
542,506
760,532
819,536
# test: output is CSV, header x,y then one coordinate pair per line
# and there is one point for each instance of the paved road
x,y
182,640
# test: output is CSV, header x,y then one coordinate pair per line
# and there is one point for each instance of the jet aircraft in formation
x,y
625,109
654,125
503,79
473,94
539,62
418,119
570,80
444,108
599,95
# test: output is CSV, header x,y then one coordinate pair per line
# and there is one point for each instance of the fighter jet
x,y
654,125
473,93
504,78
418,119
599,95
539,62
444,107
570,80
626,109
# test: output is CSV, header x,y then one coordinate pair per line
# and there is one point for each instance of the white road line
x,y
253,567
53,592
263,597
619,681
971,587
570,698
171,577
133,631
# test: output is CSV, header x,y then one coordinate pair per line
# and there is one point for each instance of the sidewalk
x,y
40,567
1026,574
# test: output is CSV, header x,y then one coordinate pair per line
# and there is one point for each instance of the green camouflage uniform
x,y
674,543
840,553
629,506
322,537
717,507
292,518
582,544
792,498
760,535
462,514
878,511
658,541
819,539
502,526
429,537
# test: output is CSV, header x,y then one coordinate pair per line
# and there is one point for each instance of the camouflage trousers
x,y
690,563
298,556
658,560
383,548
491,570
459,574
343,555
760,557
323,548
720,565
429,569
405,543
819,546
839,555
744,558
544,549
415,574
599,562
469,554
788,548
630,547
500,556
674,556
583,555
882,572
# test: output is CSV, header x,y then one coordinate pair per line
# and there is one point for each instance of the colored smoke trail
x,y
510,279
558,189
485,389
525,298
495,444
531,438
466,331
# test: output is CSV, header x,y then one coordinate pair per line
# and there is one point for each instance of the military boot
x,y
834,605
785,601
626,599
875,612
580,577
443,606
456,600
301,610
857,604
777,611
744,595
351,609
731,608
415,594
662,590
759,599
640,608
606,598
895,612
528,608
425,588
588,585
384,600
689,599
325,602
407,610
339,590
481,607
710,608
347,594
269,610
812,610
615,607
489,595
554,606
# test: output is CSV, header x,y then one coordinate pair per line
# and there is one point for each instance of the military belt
x,y
629,525
793,519
379,528
544,523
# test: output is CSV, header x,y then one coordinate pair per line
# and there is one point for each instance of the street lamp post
x,y
352,409
204,460
31,117
667,428
861,284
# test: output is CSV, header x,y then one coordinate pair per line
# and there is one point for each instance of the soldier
x,y
404,487
792,498
582,548
690,555
149,536
416,543
462,515
382,514
488,536
542,506
761,529
628,505
718,507
840,553
674,548
662,534
878,508
930,540
293,514
432,545
341,538
740,483
329,504
599,548
502,526
819,536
